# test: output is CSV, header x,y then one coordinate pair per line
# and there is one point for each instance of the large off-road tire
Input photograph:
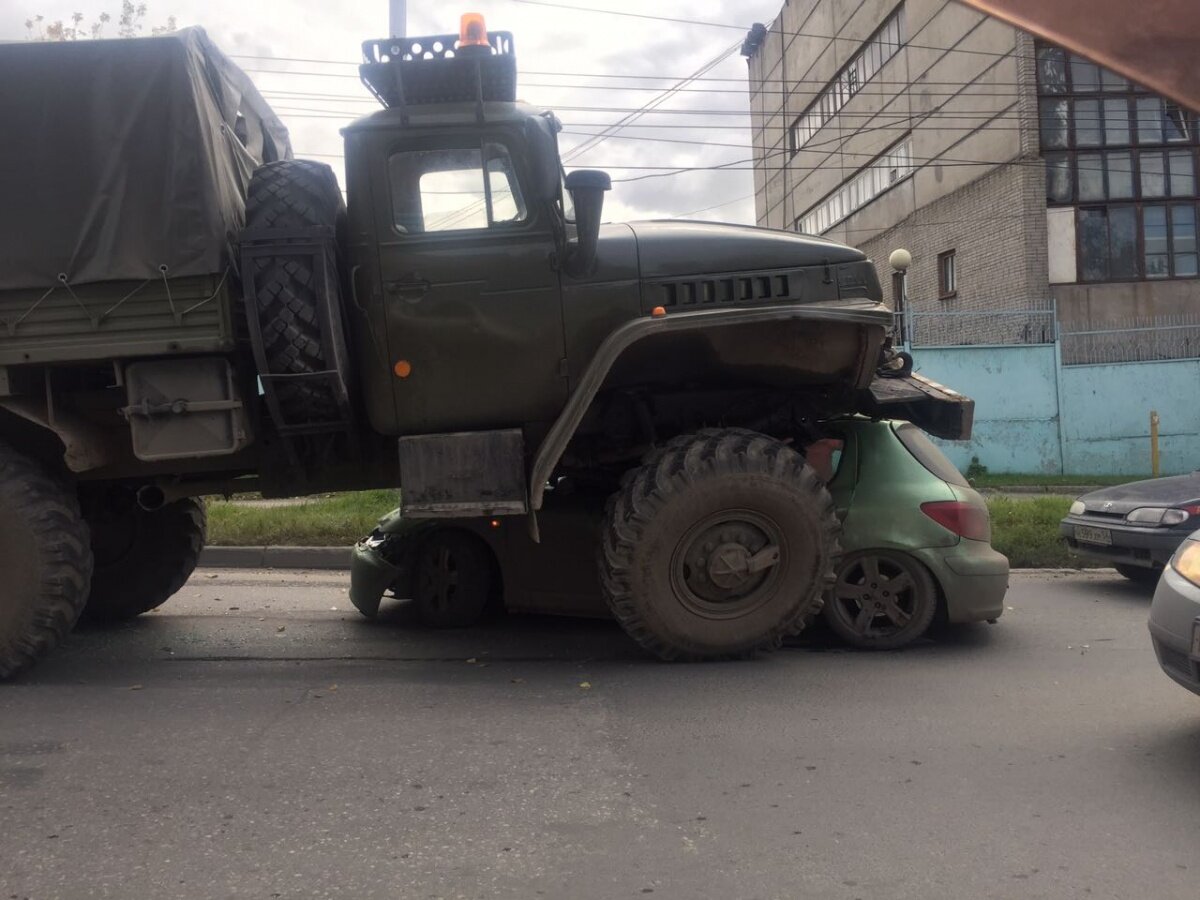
x,y
142,558
882,600
453,579
289,196
720,545
45,561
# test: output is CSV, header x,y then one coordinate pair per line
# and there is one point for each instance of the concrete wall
x,y
1016,404
1033,414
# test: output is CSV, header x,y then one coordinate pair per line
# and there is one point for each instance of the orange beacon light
x,y
472,32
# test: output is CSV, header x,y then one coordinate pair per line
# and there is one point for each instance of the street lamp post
x,y
398,16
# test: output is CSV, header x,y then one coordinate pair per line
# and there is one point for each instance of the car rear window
x,y
928,455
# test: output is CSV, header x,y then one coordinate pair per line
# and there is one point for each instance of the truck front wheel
x,y
719,546
142,557
45,560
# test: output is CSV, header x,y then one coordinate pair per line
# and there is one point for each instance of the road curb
x,y
332,558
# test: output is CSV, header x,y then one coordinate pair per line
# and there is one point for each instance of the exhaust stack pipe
x,y
151,498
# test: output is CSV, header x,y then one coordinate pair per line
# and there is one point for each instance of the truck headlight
x,y
1186,561
1078,508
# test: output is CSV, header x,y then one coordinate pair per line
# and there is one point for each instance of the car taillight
x,y
964,519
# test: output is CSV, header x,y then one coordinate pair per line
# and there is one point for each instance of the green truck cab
x,y
203,314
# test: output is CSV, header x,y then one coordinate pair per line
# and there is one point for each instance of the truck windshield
x,y
455,189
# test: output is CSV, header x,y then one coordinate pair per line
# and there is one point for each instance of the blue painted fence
x,y
1033,414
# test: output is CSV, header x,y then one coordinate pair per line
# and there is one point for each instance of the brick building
x,y
1020,177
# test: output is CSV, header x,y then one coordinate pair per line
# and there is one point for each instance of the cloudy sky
x,y
566,57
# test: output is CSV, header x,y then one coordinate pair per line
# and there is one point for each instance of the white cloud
x,y
569,46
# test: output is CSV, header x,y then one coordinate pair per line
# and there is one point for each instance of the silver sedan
x,y
1175,616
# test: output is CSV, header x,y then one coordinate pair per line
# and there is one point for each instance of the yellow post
x,y
1154,442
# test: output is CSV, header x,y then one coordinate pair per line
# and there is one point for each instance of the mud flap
x,y
937,409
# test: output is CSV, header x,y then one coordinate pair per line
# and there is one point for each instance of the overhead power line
x,y
742,28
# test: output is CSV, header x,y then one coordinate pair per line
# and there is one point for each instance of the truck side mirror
x,y
587,187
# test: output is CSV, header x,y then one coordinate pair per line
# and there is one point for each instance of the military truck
x,y
186,310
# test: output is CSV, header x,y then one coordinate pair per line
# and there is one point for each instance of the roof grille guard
x,y
403,72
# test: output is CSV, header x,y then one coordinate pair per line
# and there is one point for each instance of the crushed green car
x,y
915,539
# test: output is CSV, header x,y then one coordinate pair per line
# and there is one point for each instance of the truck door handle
x,y
412,291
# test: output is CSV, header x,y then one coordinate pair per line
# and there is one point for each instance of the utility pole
x,y
399,18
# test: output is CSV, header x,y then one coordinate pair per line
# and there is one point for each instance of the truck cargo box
x,y
124,171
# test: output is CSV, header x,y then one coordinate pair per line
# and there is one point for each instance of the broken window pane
x,y
1054,123
1052,70
1176,123
1058,178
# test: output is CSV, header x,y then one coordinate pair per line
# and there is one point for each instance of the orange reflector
x,y
403,368
658,312
472,32
495,523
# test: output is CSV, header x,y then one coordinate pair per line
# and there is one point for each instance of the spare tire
x,y
297,300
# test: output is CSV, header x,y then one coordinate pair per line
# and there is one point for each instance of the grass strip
x,y
1024,530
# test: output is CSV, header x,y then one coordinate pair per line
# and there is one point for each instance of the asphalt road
x,y
252,740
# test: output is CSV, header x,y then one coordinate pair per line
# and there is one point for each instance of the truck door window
x,y
455,189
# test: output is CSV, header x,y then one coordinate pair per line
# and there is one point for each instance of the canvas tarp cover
x,y
119,157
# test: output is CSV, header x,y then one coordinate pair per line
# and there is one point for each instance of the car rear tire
x,y
720,545
142,558
1143,575
45,558
453,579
882,600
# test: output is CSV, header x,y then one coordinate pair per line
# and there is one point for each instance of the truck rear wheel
x,y
294,196
46,561
142,557
719,546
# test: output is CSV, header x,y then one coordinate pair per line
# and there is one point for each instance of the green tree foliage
x,y
130,22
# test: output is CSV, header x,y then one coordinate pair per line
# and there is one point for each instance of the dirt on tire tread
x,y
673,467
285,196
50,510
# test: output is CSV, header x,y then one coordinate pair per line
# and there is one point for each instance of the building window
x,y
1127,160
947,275
881,175
870,58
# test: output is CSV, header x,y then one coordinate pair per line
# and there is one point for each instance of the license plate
x,y
1089,535
1196,640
